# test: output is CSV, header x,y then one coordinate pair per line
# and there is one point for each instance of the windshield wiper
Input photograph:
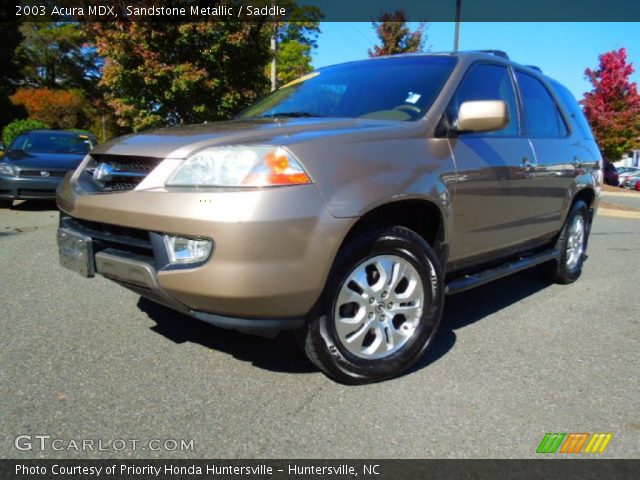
x,y
290,115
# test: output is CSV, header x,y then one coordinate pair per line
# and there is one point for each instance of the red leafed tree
x,y
56,108
396,36
613,106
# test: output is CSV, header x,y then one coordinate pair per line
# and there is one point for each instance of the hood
x,y
31,160
180,142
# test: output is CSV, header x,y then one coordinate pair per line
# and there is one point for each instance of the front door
x,y
490,202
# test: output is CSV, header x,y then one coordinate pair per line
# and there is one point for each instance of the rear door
x,y
490,204
553,170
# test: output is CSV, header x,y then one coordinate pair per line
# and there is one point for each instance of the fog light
x,y
187,250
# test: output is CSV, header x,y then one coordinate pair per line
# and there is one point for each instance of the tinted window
x,y
573,108
488,82
390,89
52,142
541,117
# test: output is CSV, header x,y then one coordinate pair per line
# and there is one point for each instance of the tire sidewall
x,y
570,275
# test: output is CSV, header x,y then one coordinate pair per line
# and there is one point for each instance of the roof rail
x,y
533,67
498,53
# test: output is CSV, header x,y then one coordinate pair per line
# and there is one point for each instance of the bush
x,y
15,128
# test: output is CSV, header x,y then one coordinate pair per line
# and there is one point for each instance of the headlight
x,y
238,166
7,170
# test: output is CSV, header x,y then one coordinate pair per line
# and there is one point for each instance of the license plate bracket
x,y
76,252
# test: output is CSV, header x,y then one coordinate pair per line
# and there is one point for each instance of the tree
x,y
613,105
58,55
56,108
293,41
159,73
294,60
61,58
10,38
396,36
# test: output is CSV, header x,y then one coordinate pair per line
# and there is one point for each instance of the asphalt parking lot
x,y
86,359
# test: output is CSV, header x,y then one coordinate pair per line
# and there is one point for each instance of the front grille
x,y
119,173
38,173
24,193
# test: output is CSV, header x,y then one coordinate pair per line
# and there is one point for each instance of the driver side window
x,y
488,82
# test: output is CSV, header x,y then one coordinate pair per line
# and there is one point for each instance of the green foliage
x,y
171,73
303,25
15,128
294,60
395,35
294,40
58,55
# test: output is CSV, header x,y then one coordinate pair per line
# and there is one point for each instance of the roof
x,y
65,132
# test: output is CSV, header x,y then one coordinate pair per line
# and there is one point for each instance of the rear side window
x,y
488,82
573,109
540,113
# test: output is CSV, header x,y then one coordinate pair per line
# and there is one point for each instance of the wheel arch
x,y
419,215
588,196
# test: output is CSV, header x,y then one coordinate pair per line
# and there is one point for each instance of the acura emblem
x,y
103,173
44,174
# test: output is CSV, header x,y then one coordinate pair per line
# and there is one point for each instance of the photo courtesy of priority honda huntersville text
x,y
345,205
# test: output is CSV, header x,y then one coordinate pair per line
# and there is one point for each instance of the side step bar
x,y
466,282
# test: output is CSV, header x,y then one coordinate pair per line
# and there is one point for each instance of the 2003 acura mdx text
x,y
346,204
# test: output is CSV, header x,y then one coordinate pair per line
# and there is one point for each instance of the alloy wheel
x,y
379,306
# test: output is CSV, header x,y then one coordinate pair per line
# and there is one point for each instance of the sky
x,y
562,50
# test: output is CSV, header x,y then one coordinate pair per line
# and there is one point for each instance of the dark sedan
x,y
35,163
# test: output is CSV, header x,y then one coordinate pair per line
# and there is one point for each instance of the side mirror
x,y
483,116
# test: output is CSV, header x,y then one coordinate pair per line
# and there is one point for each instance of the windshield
x,y
396,88
52,142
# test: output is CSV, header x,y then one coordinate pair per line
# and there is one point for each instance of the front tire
x,y
6,203
380,309
572,244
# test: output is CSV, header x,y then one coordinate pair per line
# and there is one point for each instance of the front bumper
x,y
138,273
28,188
273,249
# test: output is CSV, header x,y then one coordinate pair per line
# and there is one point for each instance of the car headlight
x,y
6,169
239,166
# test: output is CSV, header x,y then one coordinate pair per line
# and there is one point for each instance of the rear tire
x,y
572,244
380,310
6,203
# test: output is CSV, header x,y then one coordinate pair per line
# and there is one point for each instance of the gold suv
x,y
346,204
